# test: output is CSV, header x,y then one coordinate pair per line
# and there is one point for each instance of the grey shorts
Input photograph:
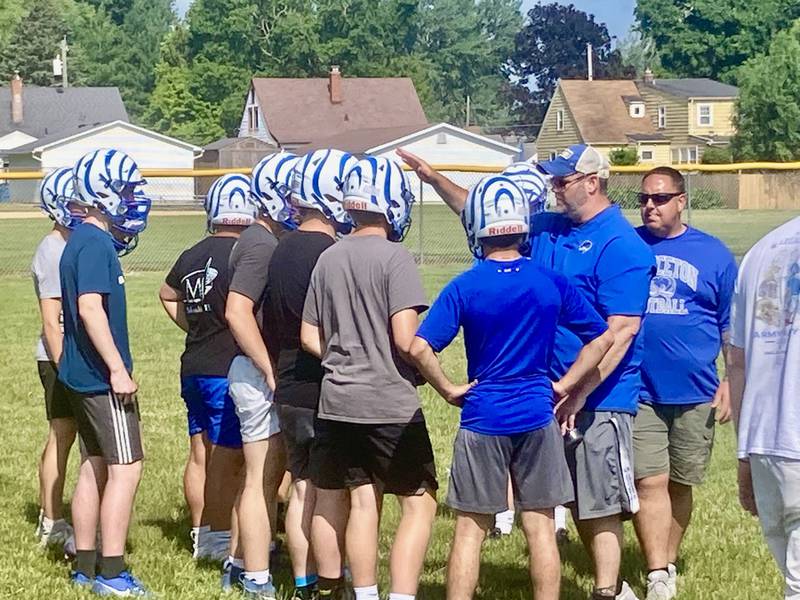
x,y
482,463
297,425
107,427
601,466
255,407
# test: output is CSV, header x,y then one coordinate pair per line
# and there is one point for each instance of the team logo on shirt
x,y
779,292
664,297
196,285
585,246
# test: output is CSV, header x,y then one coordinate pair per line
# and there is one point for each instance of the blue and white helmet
x,y
106,179
270,186
495,206
379,185
317,182
56,192
228,202
531,181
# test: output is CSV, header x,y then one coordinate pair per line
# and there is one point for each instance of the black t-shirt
x,y
299,374
201,278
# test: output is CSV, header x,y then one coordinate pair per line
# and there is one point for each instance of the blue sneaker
x,y
80,580
258,591
123,584
231,577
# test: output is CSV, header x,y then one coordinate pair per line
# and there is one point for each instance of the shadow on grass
x,y
174,530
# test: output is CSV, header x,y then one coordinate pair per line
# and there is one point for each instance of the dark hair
x,y
365,218
673,174
503,242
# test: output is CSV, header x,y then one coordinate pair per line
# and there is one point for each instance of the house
x,y
666,120
293,113
30,113
227,153
148,148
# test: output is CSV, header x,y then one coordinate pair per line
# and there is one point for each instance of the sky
x,y
616,14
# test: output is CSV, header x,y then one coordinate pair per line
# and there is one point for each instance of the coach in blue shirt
x,y
688,321
591,242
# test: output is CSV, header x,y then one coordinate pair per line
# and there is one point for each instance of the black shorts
x,y
297,426
107,427
56,397
398,458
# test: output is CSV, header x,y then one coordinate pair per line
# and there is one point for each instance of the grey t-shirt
x,y
46,280
248,266
357,285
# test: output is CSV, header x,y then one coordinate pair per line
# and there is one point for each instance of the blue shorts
x,y
210,408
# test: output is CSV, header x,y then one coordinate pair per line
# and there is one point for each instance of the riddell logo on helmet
x,y
236,221
356,205
505,230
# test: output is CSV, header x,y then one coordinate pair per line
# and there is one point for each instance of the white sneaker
x,y
57,535
658,586
626,593
40,525
673,579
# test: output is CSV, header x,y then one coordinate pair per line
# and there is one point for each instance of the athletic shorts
x,y
107,427
397,458
255,407
210,408
481,464
675,439
297,425
56,396
601,466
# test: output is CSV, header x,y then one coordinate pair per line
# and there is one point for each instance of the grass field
x,y
724,556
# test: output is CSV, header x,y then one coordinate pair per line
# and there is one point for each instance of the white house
x,y
149,149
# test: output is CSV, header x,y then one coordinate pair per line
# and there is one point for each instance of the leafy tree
x,y
639,53
712,38
11,14
118,10
622,157
717,156
768,113
551,46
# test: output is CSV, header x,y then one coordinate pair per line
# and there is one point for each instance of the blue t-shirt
x,y
509,312
611,266
89,264
687,314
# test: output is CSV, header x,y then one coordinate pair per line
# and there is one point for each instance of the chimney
x,y
648,76
335,85
16,98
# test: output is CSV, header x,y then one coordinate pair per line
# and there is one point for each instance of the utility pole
x,y
590,61
466,122
64,48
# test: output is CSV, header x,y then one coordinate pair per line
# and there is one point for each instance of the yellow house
x,y
667,121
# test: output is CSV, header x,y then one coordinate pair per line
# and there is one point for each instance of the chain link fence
x,y
436,238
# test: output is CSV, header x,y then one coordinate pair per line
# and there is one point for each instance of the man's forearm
x,y
53,341
95,321
247,334
734,360
588,361
453,194
429,366
608,364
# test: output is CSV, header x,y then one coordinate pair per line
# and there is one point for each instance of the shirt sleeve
x,y
48,280
725,286
404,285
577,315
250,270
444,319
93,269
311,305
624,272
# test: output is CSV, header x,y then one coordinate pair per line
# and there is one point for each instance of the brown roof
x,y
299,111
600,112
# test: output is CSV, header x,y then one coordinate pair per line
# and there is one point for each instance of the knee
x,y
653,486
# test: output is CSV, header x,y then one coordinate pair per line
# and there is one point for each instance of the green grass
x,y
724,555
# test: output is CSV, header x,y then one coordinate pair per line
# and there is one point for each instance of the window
x,y
637,110
693,154
705,116
662,117
646,155
252,116
559,120
441,138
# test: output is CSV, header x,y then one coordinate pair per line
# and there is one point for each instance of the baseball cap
x,y
578,158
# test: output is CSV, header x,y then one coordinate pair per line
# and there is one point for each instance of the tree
x,y
639,53
717,156
712,38
768,114
622,157
551,46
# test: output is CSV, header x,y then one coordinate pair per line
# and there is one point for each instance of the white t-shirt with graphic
x,y
765,322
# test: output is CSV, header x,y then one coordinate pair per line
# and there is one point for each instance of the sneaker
x,y
80,580
258,591
40,525
495,533
231,577
59,534
123,584
658,586
562,536
673,579
626,593
305,593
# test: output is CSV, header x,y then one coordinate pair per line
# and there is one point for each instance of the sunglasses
x,y
560,183
658,199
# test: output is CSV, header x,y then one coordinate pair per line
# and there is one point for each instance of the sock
x,y
504,521
111,566
369,592
328,586
306,580
560,514
85,562
236,562
259,577
394,596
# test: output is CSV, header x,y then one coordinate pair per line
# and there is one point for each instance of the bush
x,y
623,157
717,156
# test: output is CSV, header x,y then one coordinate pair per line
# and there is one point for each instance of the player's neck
x,y
227,231
314,224
503,254
371,230
98,219
61,231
